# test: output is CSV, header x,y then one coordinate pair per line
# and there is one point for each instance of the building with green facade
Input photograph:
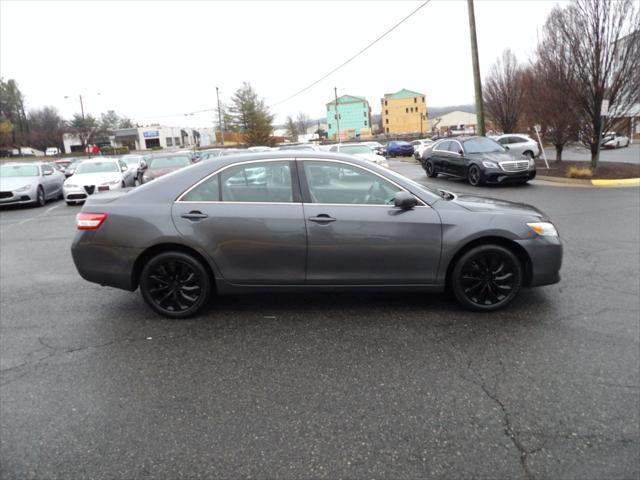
x,y
353,114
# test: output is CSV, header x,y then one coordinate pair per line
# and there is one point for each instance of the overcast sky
x,y
156,60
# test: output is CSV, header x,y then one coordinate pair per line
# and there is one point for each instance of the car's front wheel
x,y
175,284
40,198
430,169
486,278
474,176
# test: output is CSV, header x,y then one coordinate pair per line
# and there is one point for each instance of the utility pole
x,y
335,93
81,107
476,69
220,118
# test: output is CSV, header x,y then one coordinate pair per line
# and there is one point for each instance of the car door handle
x,y
322,218
194,215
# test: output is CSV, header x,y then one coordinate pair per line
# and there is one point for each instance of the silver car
x,y
519,144
29,183
281,221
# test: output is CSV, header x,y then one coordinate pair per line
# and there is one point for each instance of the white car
x,y
614,140
419,146
52,152
362,151
133,163
519,144
94,176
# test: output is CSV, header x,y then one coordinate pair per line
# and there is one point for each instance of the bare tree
x,y
302,122
292,128
503,94
597,64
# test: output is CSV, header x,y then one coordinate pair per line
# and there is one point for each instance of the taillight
x,y
90,221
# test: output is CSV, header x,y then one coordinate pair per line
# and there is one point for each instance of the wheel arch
x,y
154,250
511,245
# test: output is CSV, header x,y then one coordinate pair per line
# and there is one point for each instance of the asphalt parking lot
x,y
94,385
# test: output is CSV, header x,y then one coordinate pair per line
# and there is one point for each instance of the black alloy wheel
x,y
40,199
430,169
175,284
473,176
486,278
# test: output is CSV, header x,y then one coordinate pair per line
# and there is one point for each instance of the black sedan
x,y
287,221
478,159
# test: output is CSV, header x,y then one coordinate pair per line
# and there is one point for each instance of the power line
x,y
354,56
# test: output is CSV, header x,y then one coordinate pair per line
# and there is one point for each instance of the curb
x,y
622,182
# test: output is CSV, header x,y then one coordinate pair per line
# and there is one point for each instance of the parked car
x,y
71,168
94,176
614,140
519,144
160,165
419,147
478,159
399,148
196,232
133,162
363,151
52,152
29,183
377,147
63,163
209,154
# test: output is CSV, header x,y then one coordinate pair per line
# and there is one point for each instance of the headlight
x,y
544,229
23,189
488,164
70,185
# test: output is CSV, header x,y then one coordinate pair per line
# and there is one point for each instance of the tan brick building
x,y
404,112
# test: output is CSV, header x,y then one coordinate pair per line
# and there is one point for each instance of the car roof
x,y
101,159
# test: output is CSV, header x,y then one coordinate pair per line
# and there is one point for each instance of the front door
x,y
457,161
357,236
249,219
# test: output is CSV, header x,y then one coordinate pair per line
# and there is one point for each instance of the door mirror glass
x,y
506,147
405,200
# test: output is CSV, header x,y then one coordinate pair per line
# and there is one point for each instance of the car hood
x,y
13,183
484,204
494,157
94,178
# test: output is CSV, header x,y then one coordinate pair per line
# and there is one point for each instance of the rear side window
x,y
207,191
257,182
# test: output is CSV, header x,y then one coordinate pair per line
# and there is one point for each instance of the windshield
x,y
169,162
354,149
19,171
97,167
482,145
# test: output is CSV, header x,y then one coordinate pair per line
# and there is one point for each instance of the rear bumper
x,y
545,254
106,265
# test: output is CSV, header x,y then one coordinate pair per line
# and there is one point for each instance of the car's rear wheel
x,y
430,169
175,284
473,176
486,278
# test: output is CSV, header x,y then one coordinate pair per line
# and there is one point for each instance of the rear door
x,y
249,219
356,235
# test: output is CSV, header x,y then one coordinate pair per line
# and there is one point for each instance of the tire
x,y
628,142
175,284
474,176
430,169
123,185
41,200
486,278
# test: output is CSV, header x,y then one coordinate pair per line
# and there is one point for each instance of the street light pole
x,y
81,107
476,68
220,118
335,93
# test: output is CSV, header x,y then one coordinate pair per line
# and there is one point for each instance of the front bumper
x,y
497,176
545,254
18,198
80,193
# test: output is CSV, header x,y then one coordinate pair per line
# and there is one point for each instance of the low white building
x,y
147,138
454,122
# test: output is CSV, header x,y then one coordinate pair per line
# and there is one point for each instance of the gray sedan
x,y
29,183
290,221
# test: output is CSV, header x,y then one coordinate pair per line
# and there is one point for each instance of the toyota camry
x,y
294,220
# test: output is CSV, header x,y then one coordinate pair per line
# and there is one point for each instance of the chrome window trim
x,y
363,168
221,169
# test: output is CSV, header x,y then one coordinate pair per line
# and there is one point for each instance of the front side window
x,y
442,146
455,147
342,183
482,145
257,182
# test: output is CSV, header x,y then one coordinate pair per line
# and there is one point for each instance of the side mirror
x,y
461,152
405,200
123,168
506,147
143,165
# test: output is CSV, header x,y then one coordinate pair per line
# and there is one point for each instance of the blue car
x,y
398,148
